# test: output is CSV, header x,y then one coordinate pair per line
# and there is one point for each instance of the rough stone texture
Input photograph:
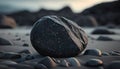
x,y
58,37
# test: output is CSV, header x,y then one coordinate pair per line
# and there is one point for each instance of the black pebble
x,y
94,63
93,52
25,44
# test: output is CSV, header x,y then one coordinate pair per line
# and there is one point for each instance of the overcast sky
x,y
34,5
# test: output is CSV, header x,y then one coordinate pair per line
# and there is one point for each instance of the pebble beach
x,y
105,52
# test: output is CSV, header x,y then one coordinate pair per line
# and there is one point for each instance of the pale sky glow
x,y
34,5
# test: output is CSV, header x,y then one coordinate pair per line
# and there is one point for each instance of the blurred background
x,y
86,13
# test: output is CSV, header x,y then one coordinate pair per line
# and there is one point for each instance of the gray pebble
x,y
94,62
73,62
93,52
105,54
47,61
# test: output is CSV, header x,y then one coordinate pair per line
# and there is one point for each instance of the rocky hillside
x,y
101,14
105,13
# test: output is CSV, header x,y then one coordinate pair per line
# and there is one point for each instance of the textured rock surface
x,y
58,37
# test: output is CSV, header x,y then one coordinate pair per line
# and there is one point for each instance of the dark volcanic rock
x,y
4,42
102,31
58,37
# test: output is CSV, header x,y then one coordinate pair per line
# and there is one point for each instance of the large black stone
x,y
58,37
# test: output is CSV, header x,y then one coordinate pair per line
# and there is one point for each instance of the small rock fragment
x,y
94,63
93,52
